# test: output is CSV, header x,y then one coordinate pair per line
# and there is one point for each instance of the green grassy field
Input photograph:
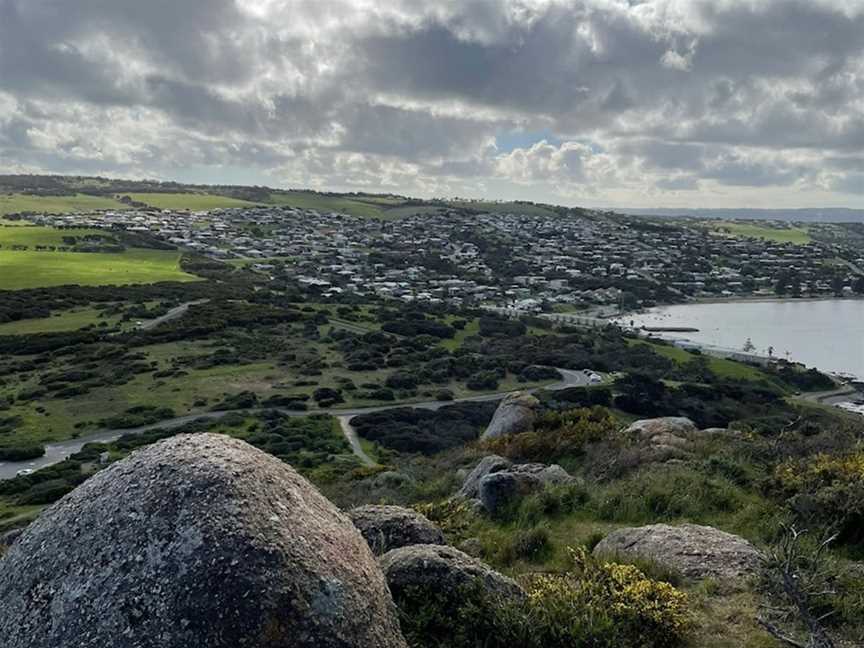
x,y
720,366
796,235
71,320
309,200
471,328
33,235
16,203
191,201
20,270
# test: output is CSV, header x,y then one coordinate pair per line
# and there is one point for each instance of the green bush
x,y
21,453
556,435
532,545
595,604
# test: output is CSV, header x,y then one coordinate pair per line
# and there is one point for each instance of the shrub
x,y
556,435
326,396
604,604
22,453
825,490
527,544
596,604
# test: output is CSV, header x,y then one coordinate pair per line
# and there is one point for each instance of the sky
x,y
641,103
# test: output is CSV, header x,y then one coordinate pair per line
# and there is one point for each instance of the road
x,y
57,452
174,313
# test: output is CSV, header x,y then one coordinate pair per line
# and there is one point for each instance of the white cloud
x,y
697,99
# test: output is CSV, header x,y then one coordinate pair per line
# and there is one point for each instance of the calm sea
x,y
827,334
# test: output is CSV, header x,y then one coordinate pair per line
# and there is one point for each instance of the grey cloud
x,y
728,92
682,183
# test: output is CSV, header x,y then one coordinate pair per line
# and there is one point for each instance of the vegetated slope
x,y
20,203
328,202
779,234
191,201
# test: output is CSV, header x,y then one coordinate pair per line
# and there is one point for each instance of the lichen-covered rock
x,y
488,465
676,426
549,475
516,413
200,540
495,481
439,571
391,527
696,552
500,489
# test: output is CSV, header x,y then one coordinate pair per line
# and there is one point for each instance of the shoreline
x,y
644,326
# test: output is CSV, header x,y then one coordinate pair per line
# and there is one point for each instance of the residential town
x,y
586,261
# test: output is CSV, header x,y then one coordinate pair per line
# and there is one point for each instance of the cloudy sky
x,y
714,103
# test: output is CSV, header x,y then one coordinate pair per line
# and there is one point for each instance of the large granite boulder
x,y
516,413
696,552
501,489
435,571
488,465
676,426
391,527
200,540
496,482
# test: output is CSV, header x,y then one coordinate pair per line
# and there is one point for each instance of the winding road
x,y
57,452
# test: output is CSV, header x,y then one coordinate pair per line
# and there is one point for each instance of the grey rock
x,y
496,481
200,540
502,488
391,527
676,426
549,475
488,465
696,552
516,413
445,572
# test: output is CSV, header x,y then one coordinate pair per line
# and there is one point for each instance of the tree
x,y
749,347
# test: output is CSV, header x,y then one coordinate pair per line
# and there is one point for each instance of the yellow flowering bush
x,y
827,490
601,604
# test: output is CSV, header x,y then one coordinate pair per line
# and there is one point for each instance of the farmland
x,y
796,235
18,203
191,201
19,270
322,202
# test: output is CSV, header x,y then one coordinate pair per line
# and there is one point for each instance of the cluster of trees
x,y
425,431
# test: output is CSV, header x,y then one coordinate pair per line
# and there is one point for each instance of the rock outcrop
x,y
670,437
694,551
516,413
496,482
200,540
435,571
487,466
390,527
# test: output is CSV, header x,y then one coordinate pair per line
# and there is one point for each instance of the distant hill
x,y
20,193
816,215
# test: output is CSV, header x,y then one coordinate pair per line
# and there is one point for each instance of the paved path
x,y
174,313
352,438
57,452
